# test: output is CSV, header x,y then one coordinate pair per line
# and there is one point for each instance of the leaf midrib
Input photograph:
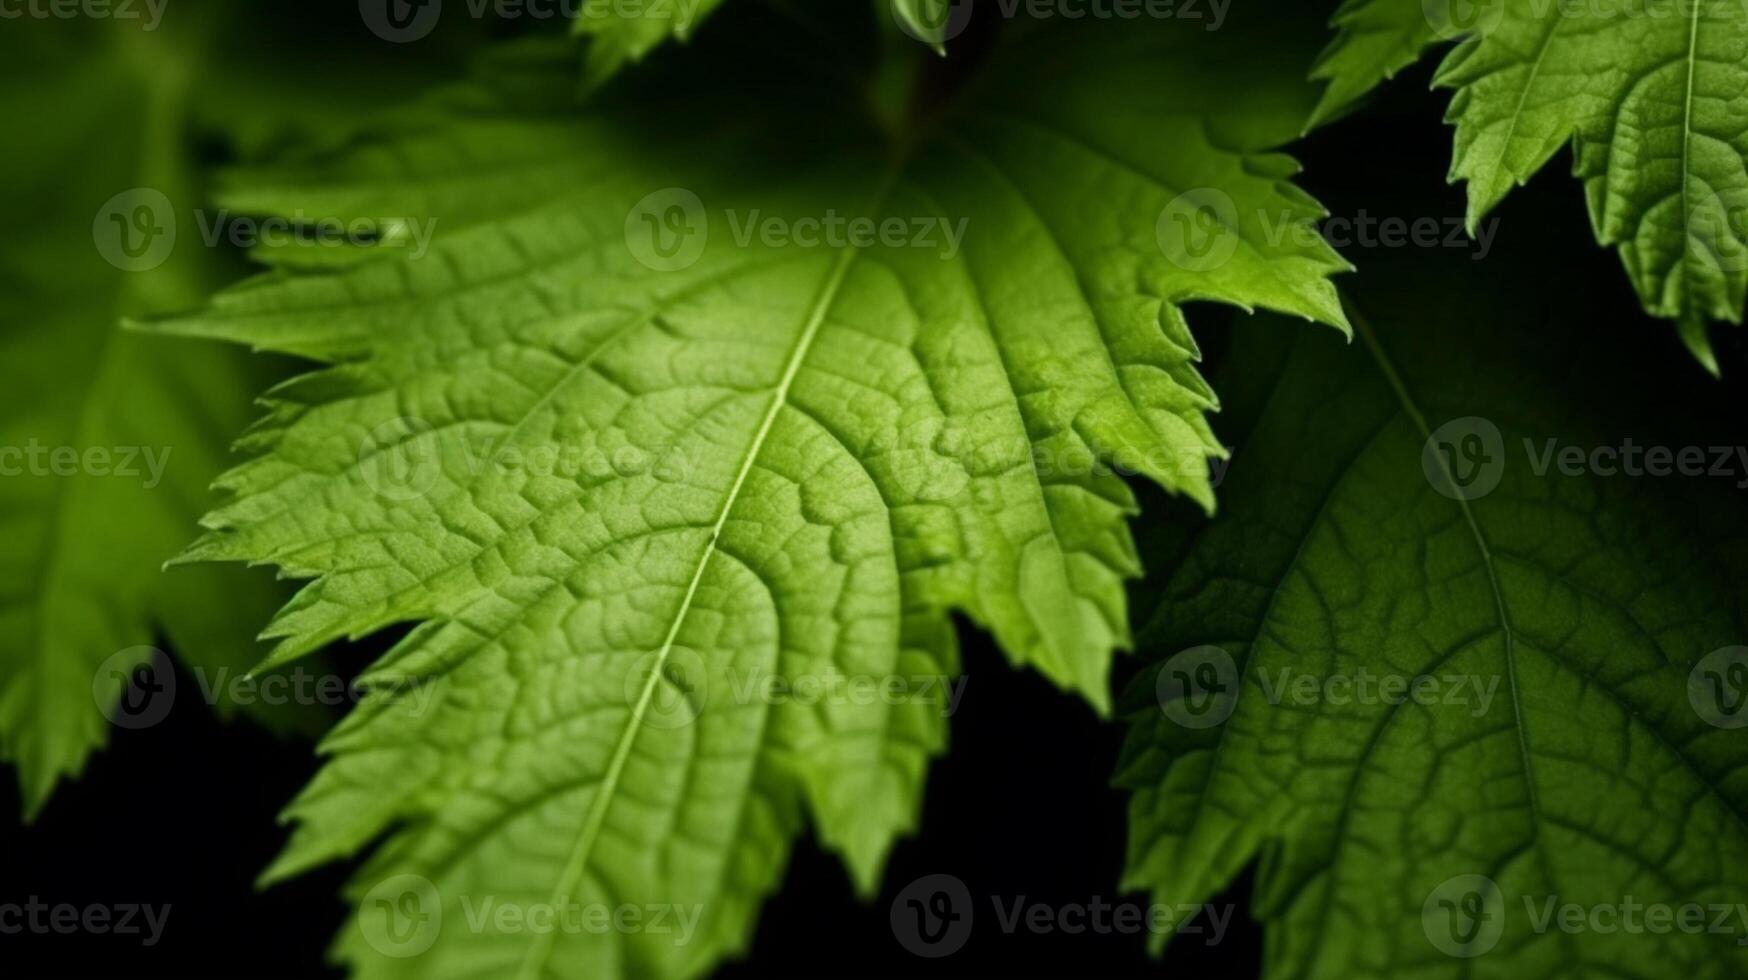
x,y
535,962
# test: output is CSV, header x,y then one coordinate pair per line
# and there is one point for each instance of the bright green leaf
x,y
657,417
1649,94
1374,40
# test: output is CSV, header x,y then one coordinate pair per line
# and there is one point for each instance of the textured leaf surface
x,y
1592,776
1374,40
816,454
1647,93
1650,95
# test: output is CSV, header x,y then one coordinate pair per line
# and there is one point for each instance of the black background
x,y
183,813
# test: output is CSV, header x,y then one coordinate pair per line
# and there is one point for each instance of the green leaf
x,y
1542,727
107,440
1374,40
789,460
109,119
1648,93
1645,91
623,34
